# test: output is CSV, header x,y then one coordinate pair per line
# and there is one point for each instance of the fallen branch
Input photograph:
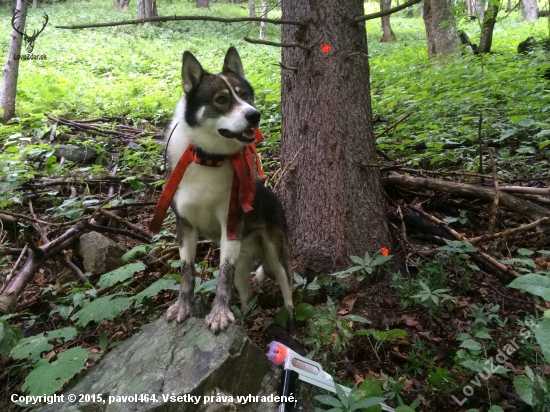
x,y
523,207
508,232
277,44
491,260
125,223
387,12
182,18
542,191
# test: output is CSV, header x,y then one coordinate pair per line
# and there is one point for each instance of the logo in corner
x,y
28,39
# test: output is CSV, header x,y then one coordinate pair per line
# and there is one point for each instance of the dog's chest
x,y
203,197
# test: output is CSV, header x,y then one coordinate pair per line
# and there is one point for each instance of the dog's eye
x,y
244,95
221,100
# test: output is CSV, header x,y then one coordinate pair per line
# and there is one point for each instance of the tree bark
x,y
34,3
146,9
486,39
8,88
441,29
203,3
386,27
263,23
479,9
121,4
334,203
252,11
529,10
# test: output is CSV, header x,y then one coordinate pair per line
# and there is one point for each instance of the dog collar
x,y
206,159
243,186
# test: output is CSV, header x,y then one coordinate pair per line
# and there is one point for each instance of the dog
x,y
217,119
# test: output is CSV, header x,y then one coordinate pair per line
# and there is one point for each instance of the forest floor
x,y
439,304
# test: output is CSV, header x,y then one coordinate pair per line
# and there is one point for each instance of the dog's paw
x,y
219,318
179,311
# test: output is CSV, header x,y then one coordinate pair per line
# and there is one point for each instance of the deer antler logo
x,y
28,39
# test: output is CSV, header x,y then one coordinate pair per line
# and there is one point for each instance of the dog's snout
x,y
252,116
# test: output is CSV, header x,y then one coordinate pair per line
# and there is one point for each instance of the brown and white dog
x,y
218,118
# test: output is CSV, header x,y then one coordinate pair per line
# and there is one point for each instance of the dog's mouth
x,y
246,136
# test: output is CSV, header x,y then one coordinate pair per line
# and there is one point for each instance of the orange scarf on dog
x,y
243,186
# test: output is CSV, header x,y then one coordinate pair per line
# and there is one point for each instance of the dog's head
x,y
219,108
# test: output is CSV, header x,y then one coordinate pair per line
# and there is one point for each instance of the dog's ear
x,y
191,72
232,62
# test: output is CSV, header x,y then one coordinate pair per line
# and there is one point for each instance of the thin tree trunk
x,y
252,11
121,4
34,3
386,27
441,29
486,39
146,9
529,10
333,201
263,23
8,88
203,3
479,9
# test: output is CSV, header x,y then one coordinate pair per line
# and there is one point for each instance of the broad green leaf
x,y
370,387
47,378
533,283
470,344
102,308
356,318
165,283
305,311
120,274
524,389
525,252
328,400
369,402
389,335
526,122
496,408
473,365
135,252
483,335
542,334
407,409
33,346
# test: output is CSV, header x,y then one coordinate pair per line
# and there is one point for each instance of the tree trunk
x,y
333,201
440,29
386,27
479,9
203,3
34,3
146,9
121,4
252,10
263,23
486,39
8,88
529,10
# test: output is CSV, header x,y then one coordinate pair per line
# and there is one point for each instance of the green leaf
x,y
524,389
473,365
526,122
370,387
533,283
525,252
120,274
470,344
495,408
102,308
389,335
103,341
328,400
165,283
366,403
542,334
404,408
483,335
47,378
33,346
356,318
305,311
135,252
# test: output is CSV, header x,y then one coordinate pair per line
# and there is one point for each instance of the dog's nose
x,y
253,116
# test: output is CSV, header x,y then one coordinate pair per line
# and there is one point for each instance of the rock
x,y
99,253
171,359
74,153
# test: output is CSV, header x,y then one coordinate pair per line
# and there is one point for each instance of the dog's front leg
x,y
220,316
187,241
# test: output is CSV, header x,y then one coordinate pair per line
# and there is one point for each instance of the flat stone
x,y
99,253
